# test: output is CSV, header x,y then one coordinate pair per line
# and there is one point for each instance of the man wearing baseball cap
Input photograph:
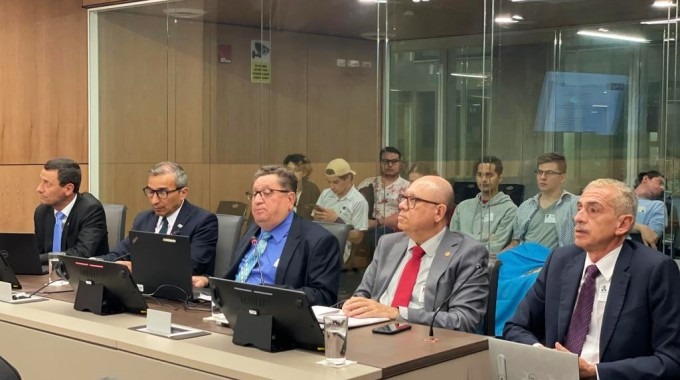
x,y
343,203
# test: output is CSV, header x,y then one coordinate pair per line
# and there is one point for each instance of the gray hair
x,y
287,179
169,167
624,200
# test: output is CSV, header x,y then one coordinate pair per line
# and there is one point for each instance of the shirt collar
x,y
67,209
559,200
606,264
430,245
280,231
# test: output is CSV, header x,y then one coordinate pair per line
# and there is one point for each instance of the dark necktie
x,y
58,231
164,226
408,278
580,319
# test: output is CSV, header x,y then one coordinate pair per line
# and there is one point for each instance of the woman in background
x,y
307,192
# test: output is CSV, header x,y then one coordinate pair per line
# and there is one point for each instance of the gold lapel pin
x,y
447,254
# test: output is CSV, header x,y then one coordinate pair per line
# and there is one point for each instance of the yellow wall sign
x,y
260,61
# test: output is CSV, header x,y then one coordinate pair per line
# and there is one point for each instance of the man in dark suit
x,y
78,219
611,301
281,248
171,213
414,272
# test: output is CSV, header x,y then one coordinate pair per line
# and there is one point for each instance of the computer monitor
x,y
268,317
6,272
23,252
102,287
510,360
162,264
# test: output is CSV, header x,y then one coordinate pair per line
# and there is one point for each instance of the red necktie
x,y
408,278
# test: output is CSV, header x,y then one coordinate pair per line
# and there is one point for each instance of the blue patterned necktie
x,y
58,229
580,319
252,258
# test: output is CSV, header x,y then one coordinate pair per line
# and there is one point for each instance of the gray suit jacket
x,y
460,265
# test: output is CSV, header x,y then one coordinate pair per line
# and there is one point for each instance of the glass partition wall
x,y
225,86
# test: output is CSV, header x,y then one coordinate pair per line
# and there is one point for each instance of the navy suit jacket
x,y
192,221
84,234
311,261
640,336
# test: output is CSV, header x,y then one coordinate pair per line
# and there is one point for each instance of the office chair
x,y
7,372
115,223
514,191
232,208
464,190
339,230
228,234
490,316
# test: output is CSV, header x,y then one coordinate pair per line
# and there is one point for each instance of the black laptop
x,y
22,248
161,264
6,272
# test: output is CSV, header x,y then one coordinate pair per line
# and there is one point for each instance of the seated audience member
x,y
489,216
548,217
386,189
420,169
343,203
609,300
307,192
650,219
172,214
283,249
66,220
413,272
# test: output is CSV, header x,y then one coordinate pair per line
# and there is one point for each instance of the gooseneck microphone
x,y
479,265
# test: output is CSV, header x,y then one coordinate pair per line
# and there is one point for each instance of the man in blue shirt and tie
x,y
283,249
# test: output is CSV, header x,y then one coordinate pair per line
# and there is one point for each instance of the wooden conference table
x,y
52,340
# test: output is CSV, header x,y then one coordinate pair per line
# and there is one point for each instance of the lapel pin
x,y
447,253
179,226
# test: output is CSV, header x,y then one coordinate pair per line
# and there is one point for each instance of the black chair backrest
x,y
490,317
232,208
464,190
229,231
514,191
115,223
339,230
7,372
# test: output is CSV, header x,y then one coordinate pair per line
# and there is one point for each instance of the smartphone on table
x,y
392,328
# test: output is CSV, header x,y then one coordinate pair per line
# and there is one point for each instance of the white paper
x,y
321,311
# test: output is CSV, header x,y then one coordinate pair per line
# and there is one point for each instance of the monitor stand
x,y
95,298
259,331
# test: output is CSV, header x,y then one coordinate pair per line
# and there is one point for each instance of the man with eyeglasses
x,y
650,220
548,217
386,189
172,214
281,248
343,203
67,220
425,267
488,217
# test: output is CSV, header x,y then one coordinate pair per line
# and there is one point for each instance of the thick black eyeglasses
x,y
390,162
265,193
547,173
160,193
412,200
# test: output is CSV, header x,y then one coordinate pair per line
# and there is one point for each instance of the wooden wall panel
x,y
43,81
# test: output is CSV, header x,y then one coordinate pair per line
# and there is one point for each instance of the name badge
x,y
550,219
421,296
642,209
602,293
276,263
487,217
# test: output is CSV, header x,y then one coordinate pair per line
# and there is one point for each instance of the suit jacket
x,y
84,234
640,336
192,221
459,265
311,260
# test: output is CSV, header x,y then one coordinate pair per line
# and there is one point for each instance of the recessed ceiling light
x,y
373,1
612,36
463,75
505,20
663,4
185,13
662,21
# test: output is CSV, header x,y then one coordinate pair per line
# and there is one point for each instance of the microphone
x,y
253,241
454,292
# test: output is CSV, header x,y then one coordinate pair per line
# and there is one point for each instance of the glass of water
x,y
335,333
52,261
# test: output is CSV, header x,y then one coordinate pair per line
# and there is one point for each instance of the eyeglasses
x,y
264,193
547,173
412,200
390,162
160,193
